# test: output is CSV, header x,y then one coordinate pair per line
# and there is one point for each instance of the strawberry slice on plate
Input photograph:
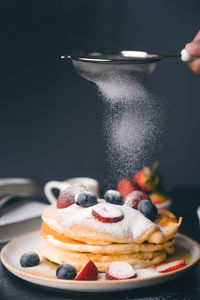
x,y
120,270
171,266
88,272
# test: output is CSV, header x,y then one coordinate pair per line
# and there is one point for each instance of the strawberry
x,y
147,178
120,270
125,186
65,199
134,198
157,198
67,196
171,266
107,213
88,272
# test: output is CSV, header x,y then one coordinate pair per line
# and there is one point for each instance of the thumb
x,y
193,48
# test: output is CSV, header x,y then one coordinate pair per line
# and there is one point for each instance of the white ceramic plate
x,y
45,273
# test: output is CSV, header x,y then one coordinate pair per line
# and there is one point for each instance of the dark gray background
x,y
50,118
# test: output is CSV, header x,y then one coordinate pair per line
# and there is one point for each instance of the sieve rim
x,y
111,57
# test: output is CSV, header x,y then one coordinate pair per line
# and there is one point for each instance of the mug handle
x,y
49,186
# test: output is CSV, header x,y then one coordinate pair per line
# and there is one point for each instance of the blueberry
x,y
29,259
66,271
86,199
114,197
148,209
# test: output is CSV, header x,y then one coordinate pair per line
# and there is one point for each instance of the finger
x,y
193,48
195,66
197,36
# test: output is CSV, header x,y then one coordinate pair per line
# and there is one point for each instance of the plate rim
x,y
22,274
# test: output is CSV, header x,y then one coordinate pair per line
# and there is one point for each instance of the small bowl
x,y
164,205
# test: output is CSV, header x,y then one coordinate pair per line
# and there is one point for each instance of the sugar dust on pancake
x,y
87,228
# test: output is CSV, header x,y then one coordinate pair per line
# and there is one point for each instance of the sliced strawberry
x,y
171,266
120,270
88,272
107,213
134,198
125,186
67,196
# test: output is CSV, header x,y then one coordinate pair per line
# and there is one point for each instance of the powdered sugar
x,y
121,270
133,224
108,210
133,122
118,87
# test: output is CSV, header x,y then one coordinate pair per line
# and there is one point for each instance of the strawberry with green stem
x,y
148,178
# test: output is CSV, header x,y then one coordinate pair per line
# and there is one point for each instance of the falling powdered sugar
x,y
120,87
133,122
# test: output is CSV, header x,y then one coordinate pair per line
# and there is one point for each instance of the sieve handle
x,y
186,57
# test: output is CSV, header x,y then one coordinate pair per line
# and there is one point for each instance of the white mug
x,y
90,183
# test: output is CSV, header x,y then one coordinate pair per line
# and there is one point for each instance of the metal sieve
x,y
92,64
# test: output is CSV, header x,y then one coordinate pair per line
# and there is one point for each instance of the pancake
x,y
59,240
74,235
78,224
78,260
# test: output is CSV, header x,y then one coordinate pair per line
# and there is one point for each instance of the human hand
x,y
193,48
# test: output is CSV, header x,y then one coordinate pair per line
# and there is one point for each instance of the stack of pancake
x,y
74,236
